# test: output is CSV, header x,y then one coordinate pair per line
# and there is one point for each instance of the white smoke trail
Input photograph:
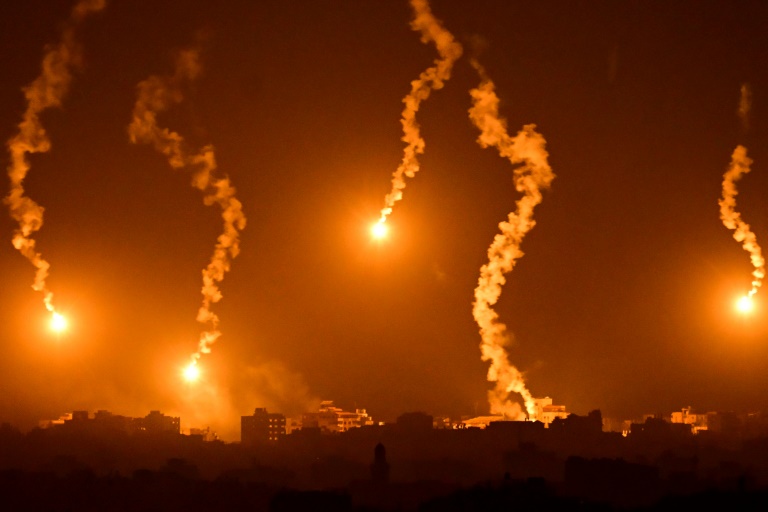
x,y
431,79
155,95
531,174
740,165
745,105
46,91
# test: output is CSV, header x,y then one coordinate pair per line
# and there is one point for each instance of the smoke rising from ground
x,y
532,174
431,79
156,95
740,165
220,404
46,91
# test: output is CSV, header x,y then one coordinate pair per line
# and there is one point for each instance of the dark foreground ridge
x,y
406,466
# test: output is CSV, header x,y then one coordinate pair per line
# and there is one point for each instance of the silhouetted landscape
x,y
88,464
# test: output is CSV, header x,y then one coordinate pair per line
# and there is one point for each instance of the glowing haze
x,y
432,78
531,174
46,91
156,95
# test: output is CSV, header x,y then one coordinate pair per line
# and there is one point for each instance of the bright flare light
x,y
379,230
192,372
745,304
58,322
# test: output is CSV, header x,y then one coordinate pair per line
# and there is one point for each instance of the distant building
x,y
479,421
546,412
579,425
54,423
659,428
698,422
619,425
331,419
261,427
104,422
292,425
204,434
380,466
79,416
156,422
727,422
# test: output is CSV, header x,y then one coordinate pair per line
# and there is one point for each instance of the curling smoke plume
x,y
532,174
46,91
155,95
431,79
740,165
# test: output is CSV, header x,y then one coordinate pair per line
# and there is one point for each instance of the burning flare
x,y
379,230
740,165
155,95
430,79
192,372
46,91
745,304
58,322
532,174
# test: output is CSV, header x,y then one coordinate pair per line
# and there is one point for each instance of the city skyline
x,y
622,302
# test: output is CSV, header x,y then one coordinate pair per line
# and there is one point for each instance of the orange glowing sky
x,y
624,300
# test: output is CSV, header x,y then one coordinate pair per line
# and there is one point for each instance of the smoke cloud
x,y
46,91
156,95
740,165
219,404
431,79
532,174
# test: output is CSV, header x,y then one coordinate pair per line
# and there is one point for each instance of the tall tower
x,y
380,466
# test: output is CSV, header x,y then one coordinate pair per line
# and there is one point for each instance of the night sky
x,y
622,302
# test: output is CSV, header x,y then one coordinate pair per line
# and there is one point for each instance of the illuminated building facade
x,y
546,412
331,419
698,422
479,421
261,427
